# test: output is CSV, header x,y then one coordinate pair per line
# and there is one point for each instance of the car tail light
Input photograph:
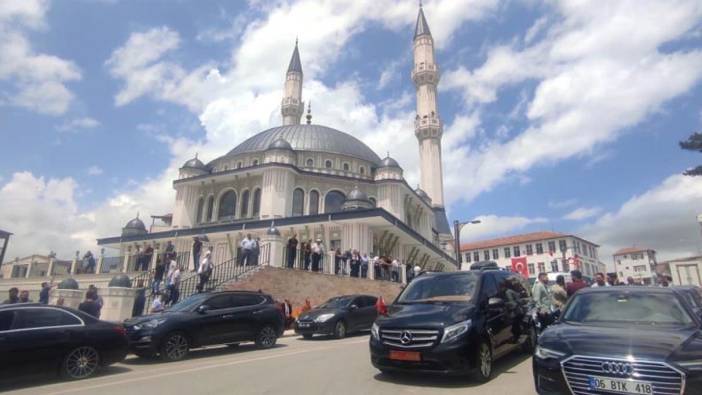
x,y
120,329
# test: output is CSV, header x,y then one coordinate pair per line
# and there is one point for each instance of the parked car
x,y
230,317
693,295
338,316
37,338
626,340
455,323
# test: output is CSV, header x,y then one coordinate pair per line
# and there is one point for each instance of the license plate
x,y
406,356
622,386
303,325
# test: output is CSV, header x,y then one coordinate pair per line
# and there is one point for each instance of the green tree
x,y
693,143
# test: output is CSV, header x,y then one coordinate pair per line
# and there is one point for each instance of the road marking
x,y
171,372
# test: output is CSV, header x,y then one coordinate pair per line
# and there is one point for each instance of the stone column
x,y
71,297
74,264
125,261
329,262
118,303
101,259
274,241
403,273
371,268
29,269
50,270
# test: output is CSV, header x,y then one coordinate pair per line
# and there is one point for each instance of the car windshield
x,y
457,288
188,304
335,303
627,308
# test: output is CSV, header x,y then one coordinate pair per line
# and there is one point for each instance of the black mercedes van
x,y
455,323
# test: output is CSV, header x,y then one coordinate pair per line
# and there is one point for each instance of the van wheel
x,y
175,346
484,359
307,336
266,337
79,363
530,343
340,330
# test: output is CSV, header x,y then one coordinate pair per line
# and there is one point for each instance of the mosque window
x,y
256,203
346,167
310,162
200,204
244,204
238,165
333,201
210,208
314,203
328,164
255,162
227,205
298,203
362,170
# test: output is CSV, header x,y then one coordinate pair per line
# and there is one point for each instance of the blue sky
x,y
557,115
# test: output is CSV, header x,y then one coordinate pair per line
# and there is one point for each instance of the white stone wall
x,y
641,269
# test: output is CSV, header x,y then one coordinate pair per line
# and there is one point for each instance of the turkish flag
x,y
519,265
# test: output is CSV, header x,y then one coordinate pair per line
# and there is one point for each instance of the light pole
x,y
457,226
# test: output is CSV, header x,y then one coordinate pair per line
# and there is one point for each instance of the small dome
x,y
120,280
134,227
357,194
280,143
389,162
422,194
273,231
356,200
68,283
194,163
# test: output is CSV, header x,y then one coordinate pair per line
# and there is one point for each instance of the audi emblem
x,y
406,337
617,368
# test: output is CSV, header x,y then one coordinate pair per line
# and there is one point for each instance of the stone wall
x,y
297,285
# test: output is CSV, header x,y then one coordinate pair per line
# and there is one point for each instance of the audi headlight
x,y
375,331
695,365
153,323
324,317
547,353
454,331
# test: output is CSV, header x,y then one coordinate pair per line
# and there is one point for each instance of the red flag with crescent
x,y
519,265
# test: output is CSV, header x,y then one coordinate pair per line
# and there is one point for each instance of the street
x,y
317,366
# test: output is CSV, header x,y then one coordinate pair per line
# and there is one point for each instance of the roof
x,y
195,163
516,239
4,233
422,25
295,64
631,250
308,138
389,162
686,259
441,223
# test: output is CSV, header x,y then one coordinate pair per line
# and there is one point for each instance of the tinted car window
x,y
6,318
489,287
335,303
370,300
220,302
247,300
189,304
630,309
441,288
41,318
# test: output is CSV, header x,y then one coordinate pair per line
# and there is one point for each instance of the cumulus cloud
x,y
78,124
94,170
35,81
582,213
494,225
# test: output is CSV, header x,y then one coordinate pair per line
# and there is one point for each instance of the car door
x,y
368,312
248,315
495,315
216,322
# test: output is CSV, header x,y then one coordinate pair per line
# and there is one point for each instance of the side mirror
x,y
353,307
495,303
203,309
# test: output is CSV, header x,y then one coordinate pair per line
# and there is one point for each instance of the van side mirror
x,y
495,303
203,309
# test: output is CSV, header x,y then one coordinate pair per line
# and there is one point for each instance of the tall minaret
x,y
427,125
292,106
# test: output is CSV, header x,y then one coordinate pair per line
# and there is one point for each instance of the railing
x,y
303,261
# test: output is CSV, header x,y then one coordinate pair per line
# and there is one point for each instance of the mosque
x,y
315,182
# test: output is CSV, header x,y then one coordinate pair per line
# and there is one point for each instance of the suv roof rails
x,y
485,265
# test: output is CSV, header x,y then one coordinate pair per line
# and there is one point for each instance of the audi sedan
x,y
621,340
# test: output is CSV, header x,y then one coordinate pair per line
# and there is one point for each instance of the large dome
x,y
309,138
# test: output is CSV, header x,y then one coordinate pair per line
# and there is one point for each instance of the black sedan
x,y
39,338
206,319
338,316
621,340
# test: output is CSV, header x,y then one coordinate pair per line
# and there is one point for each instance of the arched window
x,y
256,203
210,208
373,202
244,204
310,162
227,205
333,201
298,202
314,203
255,162
328,164
362,170
346,167
200,204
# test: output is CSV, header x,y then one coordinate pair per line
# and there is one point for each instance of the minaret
x,y
427,125
292,106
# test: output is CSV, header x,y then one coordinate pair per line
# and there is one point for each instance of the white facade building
x,y
637,263
316,182
547,252
686,271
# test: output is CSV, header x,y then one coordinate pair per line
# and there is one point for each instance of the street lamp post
x,y
457,226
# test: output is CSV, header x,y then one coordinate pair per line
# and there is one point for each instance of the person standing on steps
x,y
204,271
247,246
291,251
197,247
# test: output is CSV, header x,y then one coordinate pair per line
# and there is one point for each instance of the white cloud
x,y
562,203
36,81
78,124
494,225
94,170
663,218
582,213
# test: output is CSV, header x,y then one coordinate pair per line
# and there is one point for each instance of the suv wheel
x,y
484,359
175,346
340,330
80,363
307,336
266,337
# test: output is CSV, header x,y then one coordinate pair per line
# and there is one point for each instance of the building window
x,y
328,164
346,167
238,165
516,251
562,245
542,267
508,252
362,170
333,201
200,206
255,162
310,162
468,257
530,249
210,208
244,204
539,248
486,255
298,202
227,205
530,266
314,203
495,254
551,247
256,203
476,256
554,266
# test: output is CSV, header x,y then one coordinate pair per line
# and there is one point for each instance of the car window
x,y
6,319
42,318
370,300
627,308
489,287
453,288
220,302
247,300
